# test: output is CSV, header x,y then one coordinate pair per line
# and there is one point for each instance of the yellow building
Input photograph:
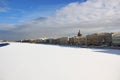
x,y
99,39
93,39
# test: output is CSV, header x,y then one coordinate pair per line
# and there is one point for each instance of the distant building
x,y
56,41
106,38
77,40
93,39
116,39
79,34
2,40
99,39
73,41
41,40
50,41
82,41
25,40
63,40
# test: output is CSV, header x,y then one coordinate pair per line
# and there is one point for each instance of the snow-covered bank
x,y
45,62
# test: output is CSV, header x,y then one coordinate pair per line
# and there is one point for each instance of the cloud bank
x,y
90,16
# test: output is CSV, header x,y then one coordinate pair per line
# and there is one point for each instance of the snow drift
x,y
23,61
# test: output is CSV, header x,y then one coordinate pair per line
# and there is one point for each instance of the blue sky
x,y
18,11
26,19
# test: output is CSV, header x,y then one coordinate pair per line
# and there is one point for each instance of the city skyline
x,y
56,18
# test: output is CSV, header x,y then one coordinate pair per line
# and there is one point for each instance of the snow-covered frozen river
x,y
23,61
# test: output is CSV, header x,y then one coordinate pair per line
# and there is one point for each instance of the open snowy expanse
x,y
23,61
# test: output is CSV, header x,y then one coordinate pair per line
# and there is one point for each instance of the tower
x,y
79,34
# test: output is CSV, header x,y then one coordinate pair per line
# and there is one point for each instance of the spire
x,y
79,34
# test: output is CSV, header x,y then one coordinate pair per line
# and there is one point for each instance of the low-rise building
x,y
99,39
50,41
116,39
63,40
93,39
77,40
55,41
105,38
41,40
82,40
2,40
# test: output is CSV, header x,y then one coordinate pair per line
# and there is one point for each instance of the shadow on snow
x,y
109,51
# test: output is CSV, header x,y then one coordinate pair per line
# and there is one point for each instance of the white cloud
x,y
7,27
92,10
105,11
90,16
